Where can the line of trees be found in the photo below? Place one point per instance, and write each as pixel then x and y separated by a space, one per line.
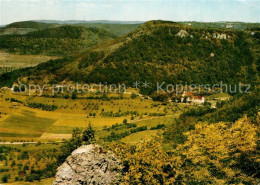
pixel 42 106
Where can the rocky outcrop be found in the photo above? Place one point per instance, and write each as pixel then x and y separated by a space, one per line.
pixel 220 36
pixel 88 165
pixel 182 33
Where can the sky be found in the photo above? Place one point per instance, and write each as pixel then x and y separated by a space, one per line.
pixel 130 10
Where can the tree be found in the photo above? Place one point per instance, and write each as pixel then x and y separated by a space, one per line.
pixel 69 145
pixel 229 156
pixel 16 89
pixel 66 96
pixel 76 137
pixel 4 179
pixel 88 136
pixel 133 96
pixel 74 96
pixel 160 96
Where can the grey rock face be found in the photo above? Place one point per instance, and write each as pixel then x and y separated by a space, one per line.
pixel 88 165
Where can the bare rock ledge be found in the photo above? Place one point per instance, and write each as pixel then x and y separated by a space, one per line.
pixel 88 165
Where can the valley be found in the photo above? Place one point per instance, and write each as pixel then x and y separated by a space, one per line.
pixel 22 123
pixel 160 136
pixel 25 130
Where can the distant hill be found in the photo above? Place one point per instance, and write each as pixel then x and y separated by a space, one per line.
pixel 228 25
pixel 24 27
pixel 29 24
pixel 58 37
pixel 62 40
pixel 87 22
pixel 117 28
pixel 158 51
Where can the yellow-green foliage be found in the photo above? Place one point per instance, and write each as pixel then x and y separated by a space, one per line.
pixel 221 153
pixel 214 152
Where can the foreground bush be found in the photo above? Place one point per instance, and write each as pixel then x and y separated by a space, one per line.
pixel 221 153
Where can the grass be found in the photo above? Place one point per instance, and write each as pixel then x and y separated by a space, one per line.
pixel 21 122
pixel 21 61
pixel 139 136
pixel 48 181
pixel 81 121
pixel 51 137
pixel 149 122
pixel 60 129
pixel 27 122
pixel 219 96
pixel 166 120
pixel 33 147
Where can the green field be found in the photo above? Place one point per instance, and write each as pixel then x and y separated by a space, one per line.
pixel 158 138
pixel 139 136
pixel 9 62
pixel 42 182
pixel 27 121
pixel 19 122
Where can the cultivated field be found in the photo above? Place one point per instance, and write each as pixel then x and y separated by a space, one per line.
pixel 9 62
pixel 20 122
pixel 48 181
pixel 30 136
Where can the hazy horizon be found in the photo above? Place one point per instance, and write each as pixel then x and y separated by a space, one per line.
pixel 130 10
pixel 121 22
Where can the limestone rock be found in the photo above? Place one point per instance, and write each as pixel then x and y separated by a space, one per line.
pixel 88 165
pixel 182 33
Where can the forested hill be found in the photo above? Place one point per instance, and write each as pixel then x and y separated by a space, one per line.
pixel 61 40
pixel 117 28
pixel 30 24
pixel 161 51
pixel 24 27
pixel 166 51
pixel 114 27
pixel 32 37
pixel 223 24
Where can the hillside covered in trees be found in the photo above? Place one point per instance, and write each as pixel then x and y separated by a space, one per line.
pixel 24 27
pixel 61 40
pixel 226 111
pixel 156 51
pixel 195 143
pixel 44 36
pixel 229 156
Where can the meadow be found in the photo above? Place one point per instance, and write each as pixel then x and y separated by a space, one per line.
pixel 10 62
pixel 31 131
pixel 48 181
pixel 21 123
pixel 158 140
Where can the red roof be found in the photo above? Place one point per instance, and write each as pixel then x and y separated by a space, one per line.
pixel 198 97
